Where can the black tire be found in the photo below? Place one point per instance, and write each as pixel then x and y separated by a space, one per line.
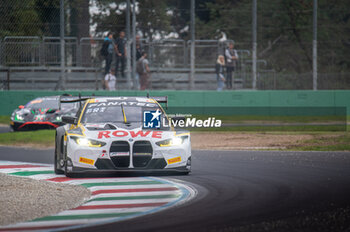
pixel 69 174
pixel 56 164
pixel 185 173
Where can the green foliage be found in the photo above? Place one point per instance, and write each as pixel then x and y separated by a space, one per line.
pixel 284 31
pixel 230 17
pixel 152 17
pixel 110 16
pixel 49 14
pixel 284 26
pixel 16 20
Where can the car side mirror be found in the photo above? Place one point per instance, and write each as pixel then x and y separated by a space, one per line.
pixel 21 106
pixel 69 120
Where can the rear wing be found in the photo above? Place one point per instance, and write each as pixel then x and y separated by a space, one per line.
pixel 71 99
pixel 160 99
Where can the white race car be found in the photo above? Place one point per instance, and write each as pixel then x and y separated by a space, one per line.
pixel 120 134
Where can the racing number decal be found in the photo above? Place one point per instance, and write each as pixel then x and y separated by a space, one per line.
pixel 86 161
pixel 174 160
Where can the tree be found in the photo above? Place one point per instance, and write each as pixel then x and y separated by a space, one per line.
pixel 152 18
pixel 16 20
pixel 284 31
pixel 110 16
pixel 79 18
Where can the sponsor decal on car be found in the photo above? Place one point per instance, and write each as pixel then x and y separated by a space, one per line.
pixel 119 154
pixel 118 103
pixel 174 160
pixel 39 117
pixel 36 101
pixel 133 134
pixel 86 161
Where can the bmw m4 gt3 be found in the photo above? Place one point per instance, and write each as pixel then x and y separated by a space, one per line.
pixel 120 134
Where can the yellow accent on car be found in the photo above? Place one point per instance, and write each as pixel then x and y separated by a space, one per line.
pixel 82 112
pixel 166 115
pixel 174 160
pixel 82 131
pixel 182 134
pixel 86 160
pixel 125 121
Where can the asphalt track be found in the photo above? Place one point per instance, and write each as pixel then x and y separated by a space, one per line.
pixel 5 129
pixel 247 191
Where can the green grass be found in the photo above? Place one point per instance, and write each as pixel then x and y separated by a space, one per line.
pixel 4 119
pixel 340 141
pixel 43 138
pixel 262 128
pixel 277 123
pixel 321 142
pixel 277 119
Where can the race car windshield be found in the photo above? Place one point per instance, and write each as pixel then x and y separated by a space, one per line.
pixel 40 103
pixel 113 114
pixel 50 103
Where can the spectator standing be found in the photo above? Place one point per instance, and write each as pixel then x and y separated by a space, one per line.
pixel 231 57
pixel 110 80
pixel 120 53
pixel 142 68
pixel 139 50
pixel 107 51
pixel 219 68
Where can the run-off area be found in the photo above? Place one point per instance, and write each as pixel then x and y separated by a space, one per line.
pixel 112 198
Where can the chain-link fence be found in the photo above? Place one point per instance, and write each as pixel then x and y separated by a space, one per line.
pixel 30 40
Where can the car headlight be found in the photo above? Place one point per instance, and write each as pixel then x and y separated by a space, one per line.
pixel 19 117
pixel 87 142
pixel 58 118
pixel 176 141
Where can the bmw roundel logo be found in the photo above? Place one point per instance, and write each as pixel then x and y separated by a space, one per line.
pixel 130 140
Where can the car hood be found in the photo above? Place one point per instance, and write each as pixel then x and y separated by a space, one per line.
pixel 35 114
pixel 108 131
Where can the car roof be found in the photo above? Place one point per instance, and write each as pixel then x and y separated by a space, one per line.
pixel 120 97
pixel 126 98
pixel 55 97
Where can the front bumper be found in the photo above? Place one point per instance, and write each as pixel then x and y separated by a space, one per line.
pixel 129 157
pixel 79 170
pixel 25 126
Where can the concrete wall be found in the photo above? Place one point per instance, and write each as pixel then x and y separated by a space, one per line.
pixel 253 99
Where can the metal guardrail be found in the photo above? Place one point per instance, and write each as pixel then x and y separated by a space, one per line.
pixel 171 53
pixel 89 52
pixel 168 53
pixel 10 71
pixel 52 53
pixel 23 50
